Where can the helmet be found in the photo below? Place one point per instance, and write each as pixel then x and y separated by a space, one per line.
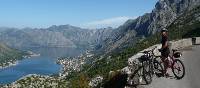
pixel 164 30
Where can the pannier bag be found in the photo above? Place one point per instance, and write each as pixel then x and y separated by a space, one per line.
pixel 177 54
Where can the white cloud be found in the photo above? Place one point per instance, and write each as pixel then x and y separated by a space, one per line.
pixel 111 22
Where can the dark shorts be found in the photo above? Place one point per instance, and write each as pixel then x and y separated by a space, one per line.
pixel 165 53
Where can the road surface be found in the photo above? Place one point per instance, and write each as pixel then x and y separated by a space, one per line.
pixel 191 60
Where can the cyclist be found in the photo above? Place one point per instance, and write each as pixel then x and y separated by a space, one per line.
pixel 165 50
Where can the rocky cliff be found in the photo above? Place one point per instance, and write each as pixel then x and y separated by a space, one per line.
pixel 164 13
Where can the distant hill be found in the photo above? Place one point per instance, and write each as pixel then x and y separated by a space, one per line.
pixel 54 36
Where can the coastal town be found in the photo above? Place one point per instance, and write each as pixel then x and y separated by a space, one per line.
pixel 72 64
pixel 37 81
pixel 8 64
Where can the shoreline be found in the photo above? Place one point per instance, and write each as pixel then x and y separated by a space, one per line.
pixel 10 64
pixel 15 62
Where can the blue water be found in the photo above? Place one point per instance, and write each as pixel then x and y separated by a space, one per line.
pixel 43 64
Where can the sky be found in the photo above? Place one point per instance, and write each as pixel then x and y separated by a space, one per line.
pixel 82 13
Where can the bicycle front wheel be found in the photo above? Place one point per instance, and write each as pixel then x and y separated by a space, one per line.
pixel 158 68
pixel 178 69
pixel 147 72
pixel 136 78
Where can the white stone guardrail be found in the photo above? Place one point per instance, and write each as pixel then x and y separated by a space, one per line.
pixel 180 43
pixel 197 40
pixel 172 45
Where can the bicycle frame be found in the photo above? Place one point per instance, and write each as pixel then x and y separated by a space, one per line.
pixel 170 60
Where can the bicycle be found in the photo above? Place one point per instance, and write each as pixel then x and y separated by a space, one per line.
pixel 153 66
pixel 146 69
pixel 175 64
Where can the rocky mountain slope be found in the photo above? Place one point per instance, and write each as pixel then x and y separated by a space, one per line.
pixel 165 12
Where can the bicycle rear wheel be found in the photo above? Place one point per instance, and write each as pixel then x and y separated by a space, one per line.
pixel 178 69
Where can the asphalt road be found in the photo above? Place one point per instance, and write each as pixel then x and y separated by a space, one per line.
pixel 191 60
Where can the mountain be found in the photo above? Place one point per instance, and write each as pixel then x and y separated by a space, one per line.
pixel 80 36
pixel 54 36
pixel 164 13
pixel 104 40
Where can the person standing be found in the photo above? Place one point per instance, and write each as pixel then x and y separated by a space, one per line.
pixel 165 49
